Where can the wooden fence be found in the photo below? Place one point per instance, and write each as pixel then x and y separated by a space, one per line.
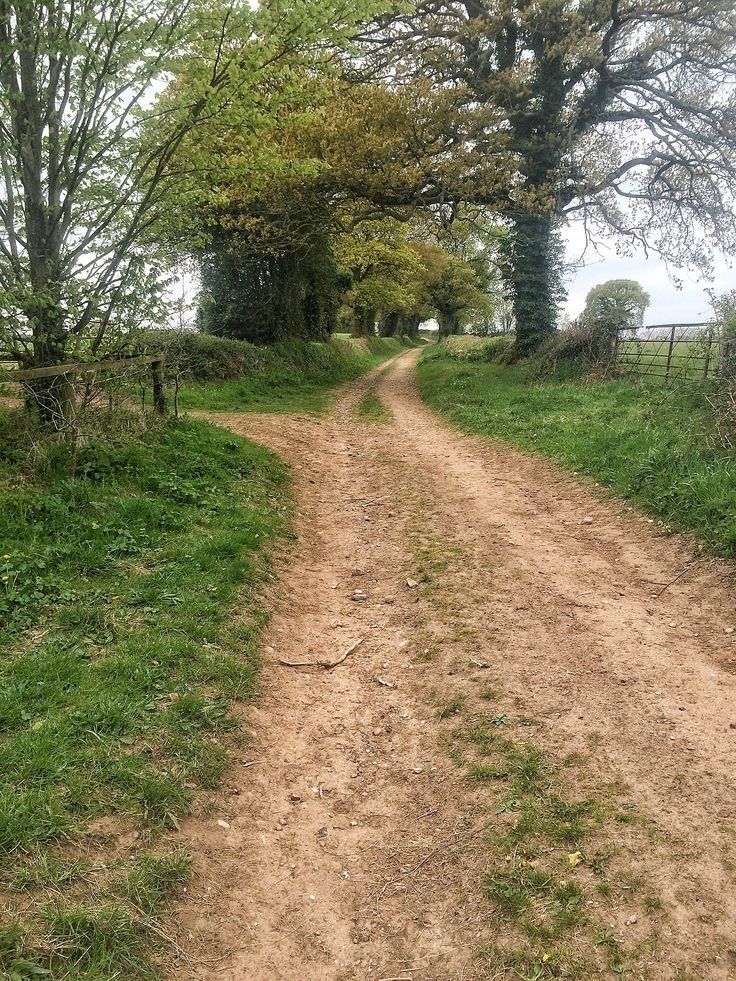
pixel 69 372
pixel 673 352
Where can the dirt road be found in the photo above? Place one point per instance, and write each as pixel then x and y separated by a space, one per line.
pixel 481 583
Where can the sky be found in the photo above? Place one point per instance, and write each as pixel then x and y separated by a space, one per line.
pixel 688 304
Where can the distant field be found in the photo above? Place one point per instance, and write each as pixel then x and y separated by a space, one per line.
pixel 689 359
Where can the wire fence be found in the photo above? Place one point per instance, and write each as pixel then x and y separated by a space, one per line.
pixel 673 352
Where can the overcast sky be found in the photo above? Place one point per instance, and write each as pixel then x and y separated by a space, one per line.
pixel 688 304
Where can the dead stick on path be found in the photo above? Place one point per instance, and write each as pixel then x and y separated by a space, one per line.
pixel 676 579
pixel 322 664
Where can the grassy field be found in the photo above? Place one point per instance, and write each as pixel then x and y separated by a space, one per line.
pixel 647 446
pixel 293 377
pixel 688 360
pixel 129 625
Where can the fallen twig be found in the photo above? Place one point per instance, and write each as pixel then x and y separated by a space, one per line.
pixel 673 581
pixel 322 664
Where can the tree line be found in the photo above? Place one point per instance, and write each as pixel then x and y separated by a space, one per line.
pixel 330 164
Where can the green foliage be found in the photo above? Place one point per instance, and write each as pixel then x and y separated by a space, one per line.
pixel 621 433
pixel 610 308
pixel 291 376
pixel 264 295
pixel 531 257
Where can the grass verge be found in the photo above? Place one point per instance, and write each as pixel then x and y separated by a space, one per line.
pixel 123 649
pixel 647 444
pixel 294 376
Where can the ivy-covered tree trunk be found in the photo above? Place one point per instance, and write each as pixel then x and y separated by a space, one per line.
pixel 364 324
pixel 448 324
pixel 390 327
pixel 532 259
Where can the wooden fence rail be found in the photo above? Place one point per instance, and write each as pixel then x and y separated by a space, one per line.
pixel 156 361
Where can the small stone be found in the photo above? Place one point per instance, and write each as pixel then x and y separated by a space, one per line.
pixel 587 521
pixel 728 630
pixel 416 769
pixel 223 824
pixel 631 919
pixel 359 596
pixel 377 731
pixel 412 583
pixel 294 798
pixel 389 600
pixel 322 833
pixel 732 725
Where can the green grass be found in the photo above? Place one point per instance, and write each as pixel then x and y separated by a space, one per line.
pixel 370 408
pixel 292 377
pixel 650 447
pixel 129 624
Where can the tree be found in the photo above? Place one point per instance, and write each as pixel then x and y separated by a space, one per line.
pixel 610 308
pixel 619 110
pixel 92 159
pixel 618 304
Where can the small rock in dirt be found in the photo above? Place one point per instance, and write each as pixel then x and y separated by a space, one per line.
pixel 416 769
pixel 412 583
pixel 385 683
pixel 389 600
pixel 358 596
pixel 377 731
pixel 322 833
pixel 353 824
pixel 587 521
pixel 294 798
pixel 728 630
pixel 631 919
pixel 223 824
pixel 732 725
pixel 344 874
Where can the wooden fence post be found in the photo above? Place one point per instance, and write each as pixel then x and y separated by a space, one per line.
pixel 159 398
pixel 706 365
pixel 669 353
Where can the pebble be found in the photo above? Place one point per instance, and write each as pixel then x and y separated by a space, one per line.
pixel 358 596
pixel 223 824
pixel 412 583
pixel 587 521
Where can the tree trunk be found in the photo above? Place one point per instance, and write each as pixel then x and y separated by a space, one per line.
pixel 364 324
pixel 532 263
pixel 390 325
pixel 448 325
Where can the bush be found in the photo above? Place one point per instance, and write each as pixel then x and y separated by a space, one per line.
pixel 205 357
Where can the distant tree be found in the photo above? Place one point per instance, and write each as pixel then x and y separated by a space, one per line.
pixel 611 307
pixel 620 304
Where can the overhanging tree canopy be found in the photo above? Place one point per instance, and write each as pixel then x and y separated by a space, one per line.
pixel 619 110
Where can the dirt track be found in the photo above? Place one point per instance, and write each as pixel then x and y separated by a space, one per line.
pixel 357 848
